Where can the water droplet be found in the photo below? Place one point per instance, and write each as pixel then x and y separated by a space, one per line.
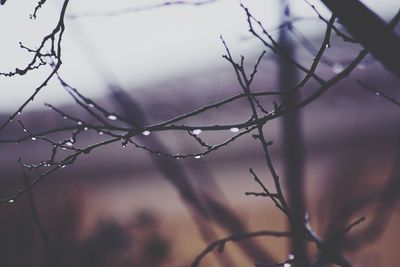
pixel 234 129
pixel 197 131
pixel 337 68
pixel 328 45
pixel 33 138
pixel 19 113
pixel 101 133
pixel 65 117
pixel 377 93
pixel 112 117
pixel 91 105
pixel 63 148
pixel 124 142
pixel 63 166
pixel 146 133
pixel 197 157
pixel 11 201
pixel 25 130
pixel 86 128
pixel 69 143
pixel 291 257
pixel 79 123
pixel 287 264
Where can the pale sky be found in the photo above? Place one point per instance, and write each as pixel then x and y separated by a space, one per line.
pixel 139 48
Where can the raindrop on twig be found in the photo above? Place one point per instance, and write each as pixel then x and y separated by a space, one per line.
pixel 197 131
pixel 69 143
pixel 112 117
pixel 234 129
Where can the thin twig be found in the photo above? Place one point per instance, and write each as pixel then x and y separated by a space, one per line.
pixel 220 244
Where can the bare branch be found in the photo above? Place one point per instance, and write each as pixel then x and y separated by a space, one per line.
pixel 220 244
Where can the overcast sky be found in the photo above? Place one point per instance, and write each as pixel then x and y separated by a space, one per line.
pixel 139 48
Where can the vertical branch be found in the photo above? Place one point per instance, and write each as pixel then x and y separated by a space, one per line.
pixel 293 150
pixel 245 83
pixel 36 218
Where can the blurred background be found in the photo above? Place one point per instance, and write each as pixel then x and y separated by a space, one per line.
pixel 126 207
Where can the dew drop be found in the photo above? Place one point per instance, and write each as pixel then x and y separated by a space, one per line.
pixel 63 166
pixel 69 143
pixel 234 129
pixel 91 105
pixel 25 130
pixel 19 113
pixel 79 123
pixel 101 133
pixel 11 201
pixel 146 133
pixel 112 117
pixel 65 117
pixel 291 257
pixel 124 143
pixel 197 131
pixel 197 157
pixel 328 45
pixel 64 148
pixel 337 68
pixel 33 138
pixel 377 93
pixel 86 128
pixel 287 264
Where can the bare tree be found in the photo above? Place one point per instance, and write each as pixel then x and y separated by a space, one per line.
pixel 129 125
